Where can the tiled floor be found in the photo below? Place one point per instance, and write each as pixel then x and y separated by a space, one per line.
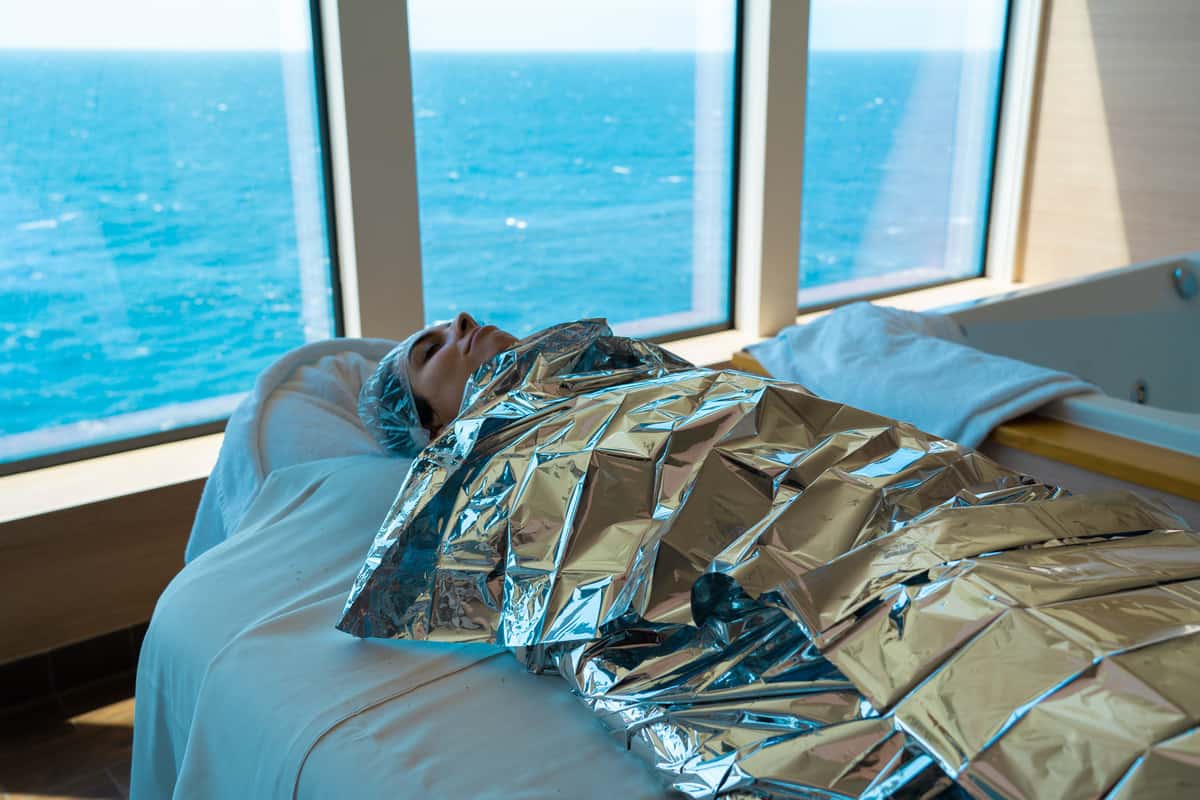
pixel 75 745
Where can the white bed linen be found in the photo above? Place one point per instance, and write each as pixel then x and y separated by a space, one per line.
pixel 245 689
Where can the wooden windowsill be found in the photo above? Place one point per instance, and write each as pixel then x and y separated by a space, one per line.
pixel 95 480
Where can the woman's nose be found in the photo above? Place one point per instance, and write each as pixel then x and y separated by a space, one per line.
pixel 464 323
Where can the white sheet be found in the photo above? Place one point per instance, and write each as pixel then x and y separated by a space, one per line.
pixel 245 689
pixel 913 367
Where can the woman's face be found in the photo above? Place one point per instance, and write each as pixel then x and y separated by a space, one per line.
pixel 443 358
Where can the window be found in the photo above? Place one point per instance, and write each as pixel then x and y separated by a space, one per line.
pixel 163 231
pixel 575 159
pixel 163 213
pixel 901 121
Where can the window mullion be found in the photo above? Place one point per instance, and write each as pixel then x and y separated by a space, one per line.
pixel 369 88
pixel 1021 59
pixel 774 80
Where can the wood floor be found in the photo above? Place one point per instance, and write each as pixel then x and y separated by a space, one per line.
pixel 73 747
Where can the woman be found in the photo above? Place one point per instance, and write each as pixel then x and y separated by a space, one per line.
pixel 418 387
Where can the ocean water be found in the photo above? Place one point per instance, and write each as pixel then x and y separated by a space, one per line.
pixel 162 229
pixel 574 177
pixel 149 253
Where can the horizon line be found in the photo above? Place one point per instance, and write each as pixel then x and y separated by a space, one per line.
pixel 555 51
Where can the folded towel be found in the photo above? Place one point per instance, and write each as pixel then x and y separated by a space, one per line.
pixel 912 367
pixel 303 407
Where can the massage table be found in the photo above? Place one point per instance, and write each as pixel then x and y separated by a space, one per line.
pixel 244 687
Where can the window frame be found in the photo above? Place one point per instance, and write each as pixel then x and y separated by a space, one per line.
pixel 1021 74
pixel 372 246
pixel 1019 57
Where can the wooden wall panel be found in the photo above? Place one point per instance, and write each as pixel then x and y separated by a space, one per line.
pixel 81 572
pixel 1114 172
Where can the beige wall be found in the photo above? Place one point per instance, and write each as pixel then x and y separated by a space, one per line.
pixel 81 572
pixel 1114 170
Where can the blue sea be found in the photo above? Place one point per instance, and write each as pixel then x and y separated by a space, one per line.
pixel 163 231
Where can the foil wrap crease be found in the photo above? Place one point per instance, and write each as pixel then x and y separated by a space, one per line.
pixel 769 594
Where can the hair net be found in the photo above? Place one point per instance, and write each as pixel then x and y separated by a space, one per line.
pixel 386 405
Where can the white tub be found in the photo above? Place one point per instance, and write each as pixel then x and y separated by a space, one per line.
pixel 1132 333
pixel 1129 331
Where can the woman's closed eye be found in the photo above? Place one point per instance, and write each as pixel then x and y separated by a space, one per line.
pixel 435 339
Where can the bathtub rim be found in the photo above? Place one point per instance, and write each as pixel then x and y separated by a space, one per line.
pixel 1178 431
pixel 964 311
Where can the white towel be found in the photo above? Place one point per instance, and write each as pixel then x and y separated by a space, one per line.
pixel 912 367
pixel 303 407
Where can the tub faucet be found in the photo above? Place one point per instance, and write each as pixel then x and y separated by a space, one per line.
pixel 1185 281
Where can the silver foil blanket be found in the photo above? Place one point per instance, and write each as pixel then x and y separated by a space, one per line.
pixel 771 594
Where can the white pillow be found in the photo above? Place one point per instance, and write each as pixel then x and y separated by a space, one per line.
pixel 303 407
pixel 314 414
